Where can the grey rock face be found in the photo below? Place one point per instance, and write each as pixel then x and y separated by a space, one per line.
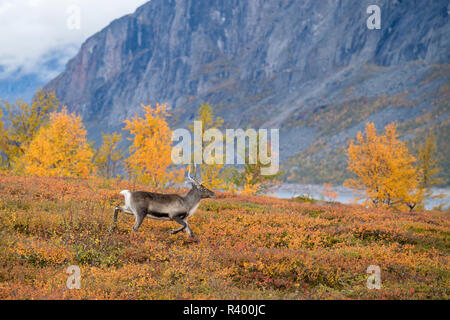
pixel 260 63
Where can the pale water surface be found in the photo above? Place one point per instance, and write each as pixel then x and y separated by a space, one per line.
pixel 346 195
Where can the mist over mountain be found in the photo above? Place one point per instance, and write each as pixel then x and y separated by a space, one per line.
pixel 20 82
pixel 311 68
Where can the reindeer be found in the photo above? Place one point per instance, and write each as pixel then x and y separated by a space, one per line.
pixel 167 207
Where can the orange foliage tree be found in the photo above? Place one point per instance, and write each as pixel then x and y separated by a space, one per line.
pixel 384 169
pixel 59 149
pixel 151 148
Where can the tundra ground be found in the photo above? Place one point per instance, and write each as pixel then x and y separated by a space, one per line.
pixel 248 248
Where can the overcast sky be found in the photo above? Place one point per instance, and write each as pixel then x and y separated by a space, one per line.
pixel 31 30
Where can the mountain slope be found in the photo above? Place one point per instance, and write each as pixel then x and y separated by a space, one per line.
pixel 311 68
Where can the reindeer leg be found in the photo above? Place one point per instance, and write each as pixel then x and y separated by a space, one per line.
pixel 180 221
pixel 116 213
pixel 117 209
pixel 139 218
pixel 188 230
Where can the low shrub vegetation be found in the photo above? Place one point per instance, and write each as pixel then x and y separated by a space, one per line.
pixel 249 247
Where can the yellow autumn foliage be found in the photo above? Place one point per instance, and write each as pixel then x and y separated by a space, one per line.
pixel 24 121
pixel 109 155
pixel 211 172
pixel 59 149
pixel 250 188
pixel 384 169
pixel 151 148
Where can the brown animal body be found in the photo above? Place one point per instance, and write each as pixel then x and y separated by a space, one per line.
pixel 168 207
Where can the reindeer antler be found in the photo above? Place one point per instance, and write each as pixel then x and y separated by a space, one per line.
pixel 192 179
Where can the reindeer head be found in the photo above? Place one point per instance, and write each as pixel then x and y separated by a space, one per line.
pixel 199 187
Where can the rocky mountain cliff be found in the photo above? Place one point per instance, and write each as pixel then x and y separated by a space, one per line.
pixel 311 68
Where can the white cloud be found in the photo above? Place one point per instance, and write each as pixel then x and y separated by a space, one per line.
pixel 33 31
